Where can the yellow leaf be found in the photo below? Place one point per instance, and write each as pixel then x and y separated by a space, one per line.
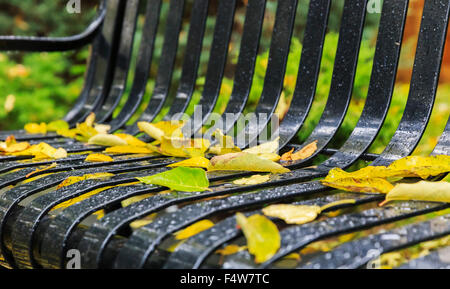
pixel 225 146
pixel 42 169
pixel 263 238
pixel 363 185
pixel 337 203
pixel 107 140
pixel 90 119
pixel 142 222
pixel 423 167
pixel 302 154
pixel 183 147
pixel 421 191
pixel 98 158
pixel 15 147
pixel 253 180
pixel 78 199
pixel 72 180
pixel 193 229
pixel 10 140
pixel 35 128
pixel 128 150
pixel 43 151
pixel 57 125
pixel 244 162
pixel 270 156
pixel 265 148
pixel 168 129
pixel 196 162
pixel 135 199
pixel 131 140
pixel 230 250
pixel 102 128
pixel 293 214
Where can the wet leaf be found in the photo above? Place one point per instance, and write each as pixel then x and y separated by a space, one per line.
pixel 423 167
pixel 263 238
pixel 107 140
pixel 43 151
pixel 183 147
pixel 169 129
pixel 230 250
pixel 36 128
pixel 293 214
pixel 253 180
pixel 135 199
pixel 421 191
pixel 131 140
pixel 98 158
pixel 39 170
pixel 265 148
pixel 302 154
pixel 193 229
pixel 15 147
pixel 142 222
pixel 225 146
pixel 75 179
pixel 244 162
pixel 196 162
pixel 362 185
pixel 128 149
pixel 180 179
pixel 57 125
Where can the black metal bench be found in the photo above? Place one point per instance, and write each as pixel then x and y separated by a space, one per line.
pixel 30 237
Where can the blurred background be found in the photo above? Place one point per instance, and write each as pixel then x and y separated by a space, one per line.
pixel 37 87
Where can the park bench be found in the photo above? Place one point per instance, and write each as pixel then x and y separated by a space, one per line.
pixel 33 237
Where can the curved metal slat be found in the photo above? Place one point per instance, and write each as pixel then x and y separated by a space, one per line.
pixel 344 71
pixel 355 254
pixel 216 66
pixel 101 79
pixel 122 63
pixel 166 65
pixel 191 60
pixel 309 68
pixel 143 62
pixel 276 68
pixel 245 66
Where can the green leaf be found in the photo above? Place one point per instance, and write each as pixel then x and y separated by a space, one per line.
pixel 180 179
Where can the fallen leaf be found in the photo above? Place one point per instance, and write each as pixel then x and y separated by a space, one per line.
pixel 265 148
pixel 94 158
pixel 143 221
pixel 183 147
pixel 230 250
pixel 90 120
pixel 270 156
pixel 135 199
pixel 225 146
pixel 263 238
pixel 131 140
pixel 43 151
pixel 421 191
pixel 293 214
pixel 128 149
pixel 107 140
pixel 36 128
pixel 302 154
pixel 15 147
pixel 169 129
pixel 423 167
pixel 337 203
pixel 193 229
pixel 57 125
pixel 363 185
pixel 42 169
pixel 244 162
pixel 75 179
pixel 196 162
pixel 102 128
pixel 180 179
pixel 253 180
